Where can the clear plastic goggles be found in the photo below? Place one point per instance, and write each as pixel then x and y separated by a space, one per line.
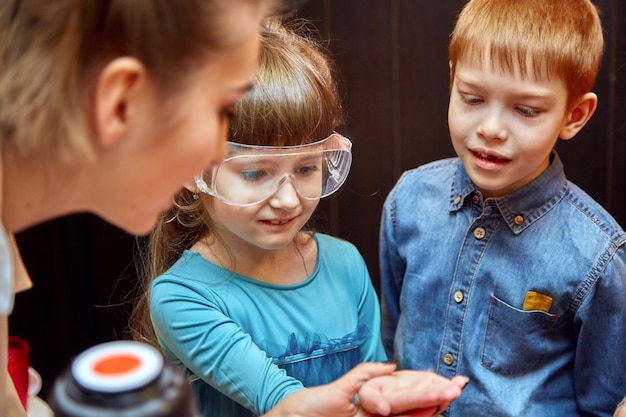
pixel 251 173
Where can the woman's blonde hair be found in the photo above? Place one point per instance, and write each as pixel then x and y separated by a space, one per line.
pixel 52 51
pixel 560 39
pixel 294 101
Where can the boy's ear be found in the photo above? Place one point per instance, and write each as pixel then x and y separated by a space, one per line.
pixel 117 88
pixel 578 116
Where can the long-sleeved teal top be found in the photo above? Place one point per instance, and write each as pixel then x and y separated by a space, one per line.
pixel 246 345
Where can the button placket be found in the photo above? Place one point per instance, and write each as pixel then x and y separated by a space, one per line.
pixel 474 244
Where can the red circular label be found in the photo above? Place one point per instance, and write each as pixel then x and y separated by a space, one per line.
pixel 116 364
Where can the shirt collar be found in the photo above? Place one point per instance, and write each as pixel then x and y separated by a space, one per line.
pixel 523 207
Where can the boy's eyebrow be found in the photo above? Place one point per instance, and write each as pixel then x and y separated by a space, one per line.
pixel 459 79
pixel 545 95
pixel 538 93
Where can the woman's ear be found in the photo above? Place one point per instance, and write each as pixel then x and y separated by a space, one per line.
pixel 579 115
pixel 117 91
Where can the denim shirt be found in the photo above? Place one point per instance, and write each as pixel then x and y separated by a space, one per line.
pixel 524 294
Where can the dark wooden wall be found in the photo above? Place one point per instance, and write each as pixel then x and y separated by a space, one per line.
pixel 392 62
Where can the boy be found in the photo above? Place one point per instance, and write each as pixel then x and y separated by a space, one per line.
pixel 506 272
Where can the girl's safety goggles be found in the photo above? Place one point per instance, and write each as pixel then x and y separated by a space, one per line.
pixel 252 173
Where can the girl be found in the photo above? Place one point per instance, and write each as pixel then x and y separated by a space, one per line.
pixel 252 306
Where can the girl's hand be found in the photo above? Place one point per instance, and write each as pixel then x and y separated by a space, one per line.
pixel 381 392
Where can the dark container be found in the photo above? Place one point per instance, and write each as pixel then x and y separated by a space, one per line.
pixel 122 379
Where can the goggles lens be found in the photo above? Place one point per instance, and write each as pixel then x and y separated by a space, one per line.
pixel 251 174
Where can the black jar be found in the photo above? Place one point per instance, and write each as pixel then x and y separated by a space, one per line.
pixel 122 379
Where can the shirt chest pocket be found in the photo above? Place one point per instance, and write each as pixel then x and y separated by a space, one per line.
pixel 516 341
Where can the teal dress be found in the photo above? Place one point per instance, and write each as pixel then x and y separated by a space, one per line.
pixel 247 345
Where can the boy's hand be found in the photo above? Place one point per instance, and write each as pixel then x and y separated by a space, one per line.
pixel 381 392
pixel 410 393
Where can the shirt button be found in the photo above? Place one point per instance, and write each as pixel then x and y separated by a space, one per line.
pixel 458 296
pixel 519 219
pixel 475 199
pixel 457 200
pixel 479 233
pixel 448 359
